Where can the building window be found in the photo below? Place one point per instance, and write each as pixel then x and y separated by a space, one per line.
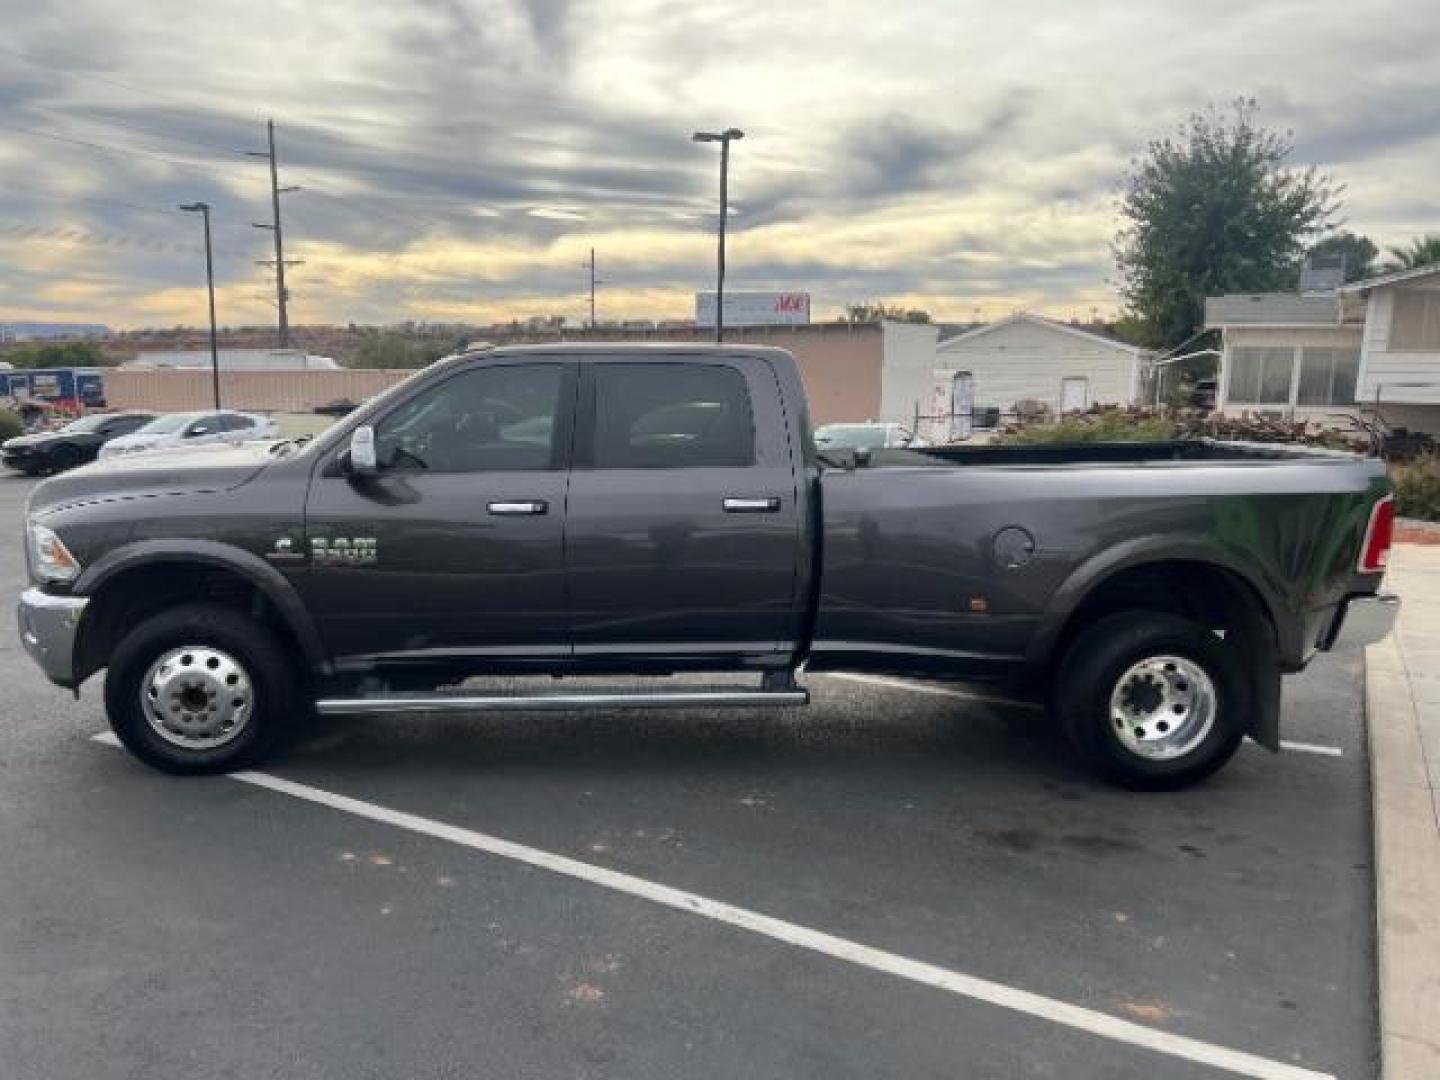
pixel 1327 376
pixel 1260 376
pixel 1415 324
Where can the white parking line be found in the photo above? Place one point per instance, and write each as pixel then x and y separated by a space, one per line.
pixel 1312 748
pixel 937 691
pixel 1006 997
pixel 1015 703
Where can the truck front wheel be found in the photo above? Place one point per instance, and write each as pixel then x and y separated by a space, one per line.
pixel 200 689
pixel 1150 700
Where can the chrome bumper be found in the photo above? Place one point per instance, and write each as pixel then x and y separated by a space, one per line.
pixel 1364 620
pixel 48 625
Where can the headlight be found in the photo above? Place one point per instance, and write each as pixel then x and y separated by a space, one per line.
pixel 50 559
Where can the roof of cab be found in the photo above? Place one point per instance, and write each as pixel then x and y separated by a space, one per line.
pixel 639 350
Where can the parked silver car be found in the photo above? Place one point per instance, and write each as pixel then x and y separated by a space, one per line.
pixel 174 430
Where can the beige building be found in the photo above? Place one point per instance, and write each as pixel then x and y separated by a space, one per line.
pixel 1372 344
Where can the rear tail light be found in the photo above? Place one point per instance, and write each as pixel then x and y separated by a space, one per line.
pixel 1375 551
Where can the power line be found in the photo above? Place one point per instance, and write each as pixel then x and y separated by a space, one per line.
pixel 110 121
pixel 51 197
pixel 47 65
pixel 31 232
pixel 118 151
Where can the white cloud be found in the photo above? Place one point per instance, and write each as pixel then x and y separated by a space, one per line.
pixel 463 155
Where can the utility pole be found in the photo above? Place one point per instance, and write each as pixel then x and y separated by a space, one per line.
pixel 724 138
pixel 593 282
pixel 204 209
pixel 282 294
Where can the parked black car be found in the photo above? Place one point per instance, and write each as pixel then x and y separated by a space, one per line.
pixel 338 407
pixel 74 444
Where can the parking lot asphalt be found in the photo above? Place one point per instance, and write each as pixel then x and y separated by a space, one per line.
pixel 154 927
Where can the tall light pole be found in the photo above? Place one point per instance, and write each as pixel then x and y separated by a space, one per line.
pixel 204 210
pixel 724 138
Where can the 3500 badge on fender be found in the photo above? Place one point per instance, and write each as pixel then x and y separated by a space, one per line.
pixel 344 551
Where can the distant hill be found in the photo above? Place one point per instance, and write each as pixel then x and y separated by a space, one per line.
pixel 48 331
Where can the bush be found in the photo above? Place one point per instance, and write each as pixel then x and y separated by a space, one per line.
pixel 1417 488
pixel 10 424
pixel 1112 425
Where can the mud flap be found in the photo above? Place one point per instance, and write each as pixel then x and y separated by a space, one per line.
pixel 1265 725
pixel 1257 639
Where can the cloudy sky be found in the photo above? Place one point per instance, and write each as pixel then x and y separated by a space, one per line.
pixel 459 158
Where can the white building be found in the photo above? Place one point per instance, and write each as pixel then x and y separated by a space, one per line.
pixel 233 360
pixel 1030 358
pixel 1372 344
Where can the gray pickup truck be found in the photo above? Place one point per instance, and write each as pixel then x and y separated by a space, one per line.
pixel 648 510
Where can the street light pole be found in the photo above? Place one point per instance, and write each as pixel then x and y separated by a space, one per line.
pixel 724 138
pixel 204 210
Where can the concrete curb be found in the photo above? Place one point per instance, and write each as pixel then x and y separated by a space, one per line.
pixel 1407 871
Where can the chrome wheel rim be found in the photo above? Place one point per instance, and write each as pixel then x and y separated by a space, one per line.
pixel 197 697
pixel 1163 707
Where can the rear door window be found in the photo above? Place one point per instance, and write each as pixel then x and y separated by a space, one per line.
pixel 671 416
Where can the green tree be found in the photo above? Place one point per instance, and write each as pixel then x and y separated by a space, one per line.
pixel 879 311
pixel 1214 209
pixel 1422 251
pixel 52 354
pixel 1360 253
pixel 397 349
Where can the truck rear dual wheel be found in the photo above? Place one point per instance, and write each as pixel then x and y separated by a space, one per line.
pixel 1152 701
pixel 200 689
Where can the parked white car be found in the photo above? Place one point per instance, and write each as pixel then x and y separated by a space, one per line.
pixel 872 435
pixel 174 430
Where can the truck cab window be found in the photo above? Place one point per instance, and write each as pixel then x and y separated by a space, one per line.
pixel 671 416
pixel 486 419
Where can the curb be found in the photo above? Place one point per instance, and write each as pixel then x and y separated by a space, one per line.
pixel 1407 871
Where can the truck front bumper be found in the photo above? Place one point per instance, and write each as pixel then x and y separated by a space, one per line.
pixel 48 625
pixel 1364 620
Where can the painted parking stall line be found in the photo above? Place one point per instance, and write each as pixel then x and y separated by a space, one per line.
pixel 1312 748
pixel 973 987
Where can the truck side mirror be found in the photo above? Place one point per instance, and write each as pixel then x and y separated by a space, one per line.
pixel 362 451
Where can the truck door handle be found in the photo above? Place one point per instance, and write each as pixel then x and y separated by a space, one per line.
pixel 533 506
pixel 752 506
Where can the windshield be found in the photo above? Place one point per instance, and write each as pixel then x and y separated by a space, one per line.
pixel 854 436
pixel 167 425
pixel 86 423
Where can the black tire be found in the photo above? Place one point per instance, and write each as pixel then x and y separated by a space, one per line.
pixel 1091 671
pixel 63 459
pixel 273 693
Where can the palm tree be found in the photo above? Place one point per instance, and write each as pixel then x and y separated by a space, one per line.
pixel 1422 251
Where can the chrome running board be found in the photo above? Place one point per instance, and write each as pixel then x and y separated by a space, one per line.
pixel 449 702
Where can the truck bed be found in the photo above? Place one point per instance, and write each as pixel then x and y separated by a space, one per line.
pixel 1197 450
pixel 971 556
